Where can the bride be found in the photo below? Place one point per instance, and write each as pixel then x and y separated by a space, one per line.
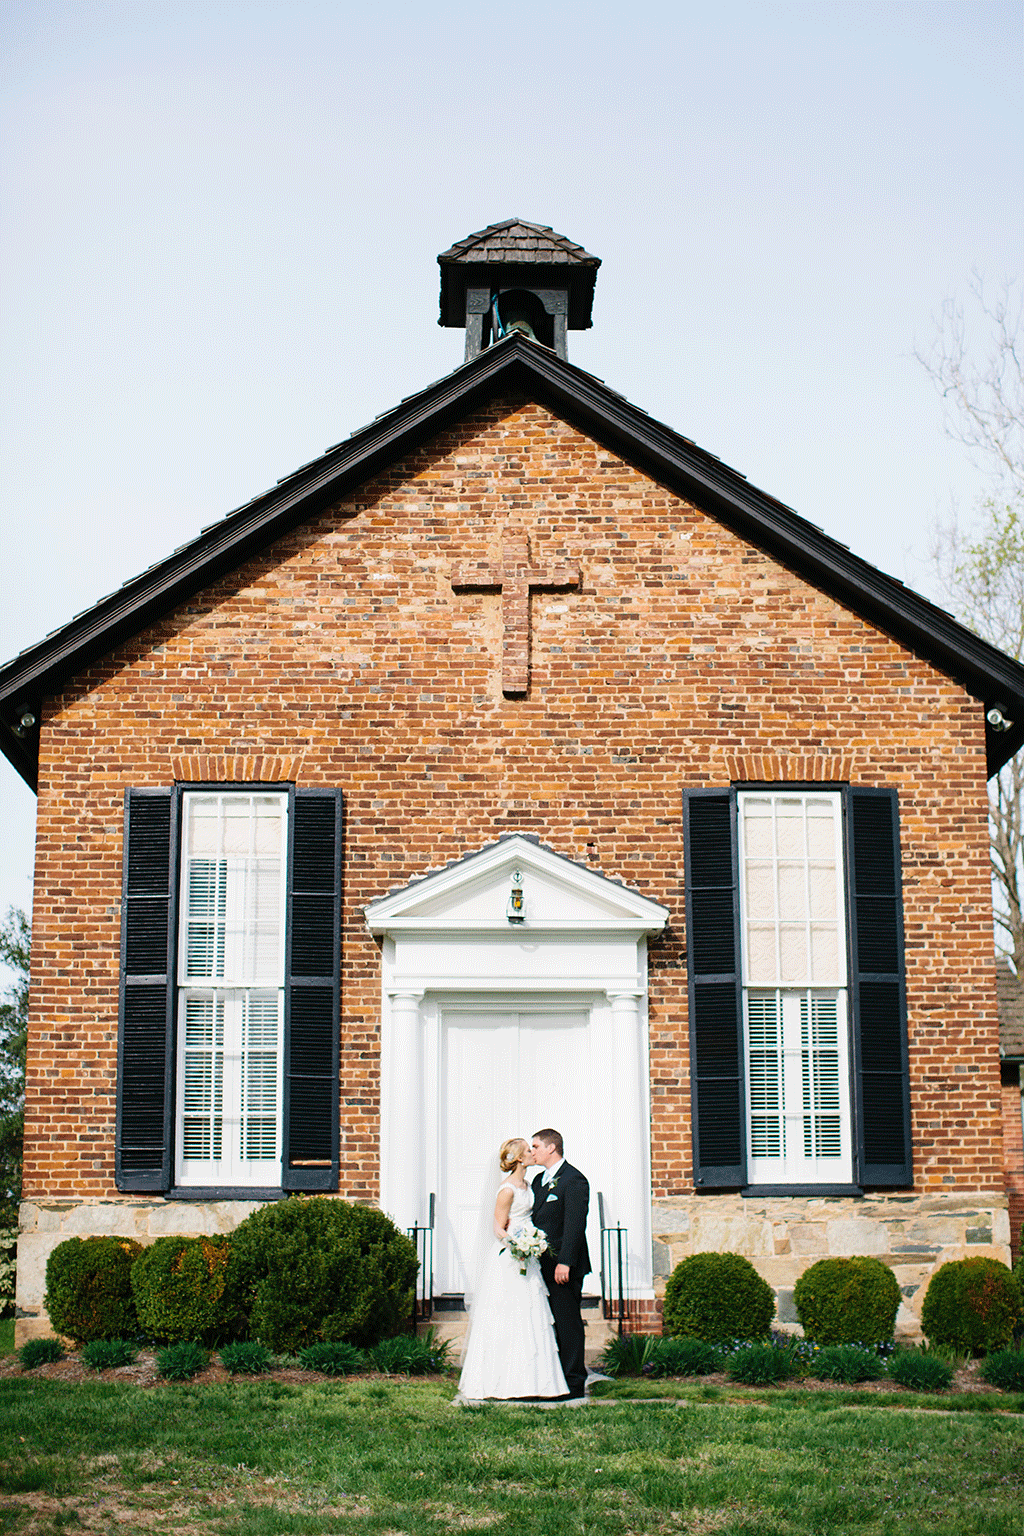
pixel 511 1350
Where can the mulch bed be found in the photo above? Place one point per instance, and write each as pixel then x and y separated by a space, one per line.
pixel 143 1373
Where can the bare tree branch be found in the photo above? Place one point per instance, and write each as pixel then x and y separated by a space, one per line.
pixel 981 570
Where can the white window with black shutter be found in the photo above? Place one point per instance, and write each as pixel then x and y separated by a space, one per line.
pixel 797 999
pixel 230 1024
pixel 793 961
pixel 228 1047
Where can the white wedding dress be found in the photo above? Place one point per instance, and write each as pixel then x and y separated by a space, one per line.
pixel 511 1350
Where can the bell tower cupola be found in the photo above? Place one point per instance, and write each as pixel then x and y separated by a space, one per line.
pixel 517 277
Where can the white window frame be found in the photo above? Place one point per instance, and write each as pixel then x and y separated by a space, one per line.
pixel 229 1086
pixel 798 1087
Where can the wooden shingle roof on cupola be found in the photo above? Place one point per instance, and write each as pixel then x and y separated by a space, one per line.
pixel 517 276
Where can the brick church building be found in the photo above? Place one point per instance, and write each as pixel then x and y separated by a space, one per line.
pixel 517 763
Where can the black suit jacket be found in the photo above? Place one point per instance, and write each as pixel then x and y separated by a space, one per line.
pixel 560 1212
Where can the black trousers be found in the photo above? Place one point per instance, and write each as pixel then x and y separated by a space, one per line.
pixel 569 1330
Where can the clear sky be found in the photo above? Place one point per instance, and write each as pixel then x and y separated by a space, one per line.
pixel 221 219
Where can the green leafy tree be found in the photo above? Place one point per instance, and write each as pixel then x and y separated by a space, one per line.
pixel 14 953
pixel 980 567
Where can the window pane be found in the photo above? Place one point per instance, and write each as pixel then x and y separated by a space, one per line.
pixel 202 1089
pixel 819 1040
pixel 764 1064
pixel 792 953
pixel 825 955
pixel 760 889
pixel 761 962
pixel 792 891
pixel 822 879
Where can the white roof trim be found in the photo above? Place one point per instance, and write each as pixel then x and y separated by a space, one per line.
pixel 424 905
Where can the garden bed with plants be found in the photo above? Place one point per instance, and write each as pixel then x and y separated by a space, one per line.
pixel 140 1365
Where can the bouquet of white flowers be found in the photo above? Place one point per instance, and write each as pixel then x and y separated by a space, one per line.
pixel 524 1243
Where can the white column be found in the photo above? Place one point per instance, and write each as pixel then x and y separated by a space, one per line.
pixel 403 1147
pixel 632 1185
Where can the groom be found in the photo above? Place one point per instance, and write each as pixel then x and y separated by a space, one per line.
pixel 561 1197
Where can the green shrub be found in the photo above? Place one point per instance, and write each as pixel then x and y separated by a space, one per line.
pixel 716 1296
pixel 408 1355
pixel 88 1288
pixel 847 1301
pixel 922 1373
pixel 40 1352
pixel 8 1269
pixel 321 1269
pixel 972 1305
pixel 1005 1369
pixel 762 1365
pixel 626 1354
pixel 246 1358
pixel 182 1292
pixel 180 1361
pixel 338 1359
pixel 846 1362
pixel 682 1357
pixel 102 1354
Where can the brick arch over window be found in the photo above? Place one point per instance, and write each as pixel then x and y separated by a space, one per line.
pixel 792 768
pixel 238 768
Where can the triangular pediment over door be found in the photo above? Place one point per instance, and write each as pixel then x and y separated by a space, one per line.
pixel 500 1010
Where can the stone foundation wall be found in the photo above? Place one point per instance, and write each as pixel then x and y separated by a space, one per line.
pixel 913 1234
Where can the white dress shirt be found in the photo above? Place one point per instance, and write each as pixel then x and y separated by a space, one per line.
pixel 549 1173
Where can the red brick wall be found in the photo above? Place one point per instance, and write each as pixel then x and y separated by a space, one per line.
pixel 686 658
pixel 1013 1154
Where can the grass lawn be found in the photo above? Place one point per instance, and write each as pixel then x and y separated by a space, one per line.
pixel 391 1457
pixel 6 1335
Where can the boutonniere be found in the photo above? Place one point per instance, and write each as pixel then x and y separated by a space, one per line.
pixel 554 1183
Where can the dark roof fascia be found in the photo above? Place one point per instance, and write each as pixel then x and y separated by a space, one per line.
pixel 515 366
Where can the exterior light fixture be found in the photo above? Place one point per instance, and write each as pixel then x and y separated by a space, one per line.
pixel 516 909
pixel 997 719
pixel 24 723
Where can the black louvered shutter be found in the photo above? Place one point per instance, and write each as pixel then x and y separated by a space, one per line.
pixel 877 989
pixel 713 958
pixel 145 1054
pixel 312 998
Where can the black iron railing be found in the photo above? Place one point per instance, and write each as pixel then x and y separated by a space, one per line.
pixel 614 1268
pixel 423 1237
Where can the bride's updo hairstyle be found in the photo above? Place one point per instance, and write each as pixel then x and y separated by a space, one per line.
pixel 511 1152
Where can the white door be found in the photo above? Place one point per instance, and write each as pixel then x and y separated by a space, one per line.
pixel 511 1073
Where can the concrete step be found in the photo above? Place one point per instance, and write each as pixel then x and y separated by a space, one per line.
pixel 454 1326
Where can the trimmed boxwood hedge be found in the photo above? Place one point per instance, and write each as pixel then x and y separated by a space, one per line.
pixel 88 1288
pixel 317 1268
pixel 972 1305
pixel 716 1296
pixel 182 1291
pixel 847 1301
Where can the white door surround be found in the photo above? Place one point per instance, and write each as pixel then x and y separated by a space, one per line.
pixel 578 949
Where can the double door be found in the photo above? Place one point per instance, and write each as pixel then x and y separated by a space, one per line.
pixel 510 1072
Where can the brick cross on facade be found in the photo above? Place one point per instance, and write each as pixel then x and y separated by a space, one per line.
pixel 515 578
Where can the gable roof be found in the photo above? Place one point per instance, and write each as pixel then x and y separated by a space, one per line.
pixel 515 366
